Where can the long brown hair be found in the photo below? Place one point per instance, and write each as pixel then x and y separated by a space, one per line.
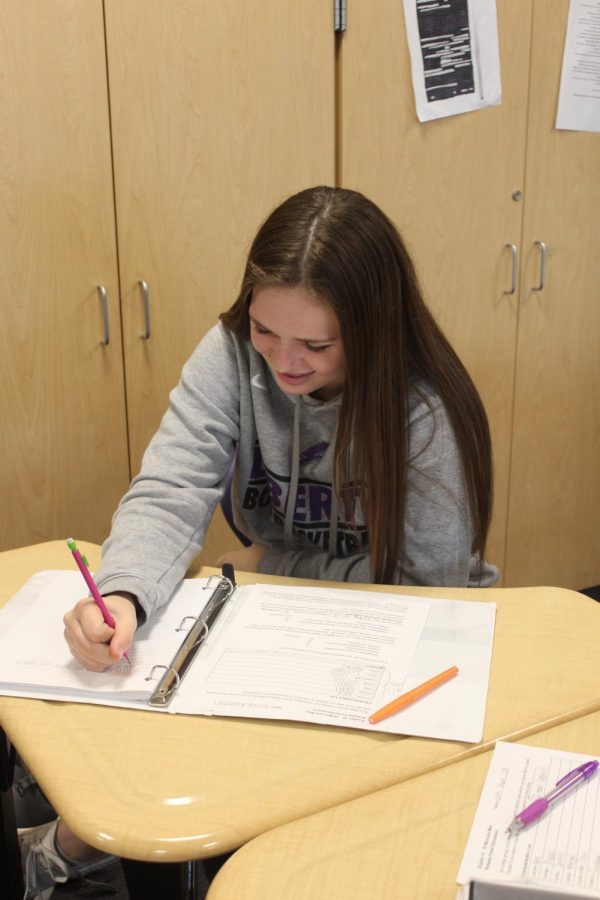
pixel 342 247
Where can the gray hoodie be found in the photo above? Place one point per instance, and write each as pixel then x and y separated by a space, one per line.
pixel 227 406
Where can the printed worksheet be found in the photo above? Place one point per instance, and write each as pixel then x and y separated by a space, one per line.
pixel 561 849
pixel 335 656
pixel 311 654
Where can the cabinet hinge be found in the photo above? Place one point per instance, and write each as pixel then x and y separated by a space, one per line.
pixel 339 15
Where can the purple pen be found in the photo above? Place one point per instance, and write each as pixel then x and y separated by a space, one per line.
pixel 562 787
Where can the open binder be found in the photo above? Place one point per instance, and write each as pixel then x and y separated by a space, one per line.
pixel 199 631
pixel 272 651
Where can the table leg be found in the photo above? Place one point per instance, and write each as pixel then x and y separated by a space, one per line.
pixel 155 881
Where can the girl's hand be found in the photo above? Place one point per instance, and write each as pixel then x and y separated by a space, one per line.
pixel 92 642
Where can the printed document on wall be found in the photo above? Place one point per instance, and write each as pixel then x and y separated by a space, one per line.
pixel 579 97
pixel 454 55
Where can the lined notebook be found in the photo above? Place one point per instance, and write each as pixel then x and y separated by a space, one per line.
pixel 310 654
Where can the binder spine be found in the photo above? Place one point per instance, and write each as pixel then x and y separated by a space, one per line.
pixel 197 634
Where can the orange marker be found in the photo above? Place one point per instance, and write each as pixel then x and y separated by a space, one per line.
pixel 405 699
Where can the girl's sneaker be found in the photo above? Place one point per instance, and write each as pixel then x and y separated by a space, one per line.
pixel 44 866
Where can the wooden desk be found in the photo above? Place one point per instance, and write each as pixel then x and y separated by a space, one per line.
pixel 170 788
pixel 405 841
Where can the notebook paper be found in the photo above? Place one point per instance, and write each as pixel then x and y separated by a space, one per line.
pixel 561 849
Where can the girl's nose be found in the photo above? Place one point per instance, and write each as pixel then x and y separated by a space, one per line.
pixel 285 355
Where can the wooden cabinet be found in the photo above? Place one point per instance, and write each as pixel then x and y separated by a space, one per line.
pixel 450 186
pixel 218 111
pixel 553 533
pixel 63 442
pixel 141 144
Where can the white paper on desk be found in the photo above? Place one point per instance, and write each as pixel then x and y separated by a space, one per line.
pixel 579 97
pixel 34 653
pixel 304 669
pixel 455 57
pixel 457 633
pixel 561 849
pixel 307 654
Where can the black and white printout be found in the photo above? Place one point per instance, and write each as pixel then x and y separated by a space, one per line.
pixel 454 55
pixel 579 97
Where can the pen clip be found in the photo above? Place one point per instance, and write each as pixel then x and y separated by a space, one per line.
pixel 585 769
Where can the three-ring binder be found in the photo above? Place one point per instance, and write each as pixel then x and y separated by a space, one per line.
pixel 194 639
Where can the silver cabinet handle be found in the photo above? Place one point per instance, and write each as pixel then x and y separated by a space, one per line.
pixel 146 301
pixel 104 302
pixel 543 249
pixel 515 259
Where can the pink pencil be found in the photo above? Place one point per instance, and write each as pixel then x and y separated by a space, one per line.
pixel 92 587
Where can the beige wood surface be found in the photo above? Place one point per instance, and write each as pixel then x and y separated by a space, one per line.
pixel 219 111
pixel 164 787
pixel 554 521
pixel 63 446
pixel 404 842
pixel 448 186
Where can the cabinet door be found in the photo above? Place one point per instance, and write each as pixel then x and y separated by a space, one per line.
pixel 554 521
pixel 448 186
pixel 63 450
pixel 219 111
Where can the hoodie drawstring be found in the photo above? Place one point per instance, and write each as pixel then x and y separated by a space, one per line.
pixel 293 489
pixel 294 476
